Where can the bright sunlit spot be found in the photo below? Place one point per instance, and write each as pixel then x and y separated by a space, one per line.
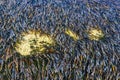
pixel 72 34
pixel 95 34
pixel 33 42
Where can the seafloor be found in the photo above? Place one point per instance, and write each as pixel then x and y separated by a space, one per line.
pixel 83 59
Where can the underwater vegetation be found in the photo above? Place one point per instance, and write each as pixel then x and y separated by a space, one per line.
pixel 59 40
pixel 72 34
pixel 33 42
pixel 95 34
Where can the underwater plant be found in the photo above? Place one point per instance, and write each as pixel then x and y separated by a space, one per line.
pixel 95 34
pixel 33 42
pixel 58 40
pixel 72 34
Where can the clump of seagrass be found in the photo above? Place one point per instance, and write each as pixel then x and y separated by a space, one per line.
pixel 33 42
pixel 95 34
pixel 71 34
